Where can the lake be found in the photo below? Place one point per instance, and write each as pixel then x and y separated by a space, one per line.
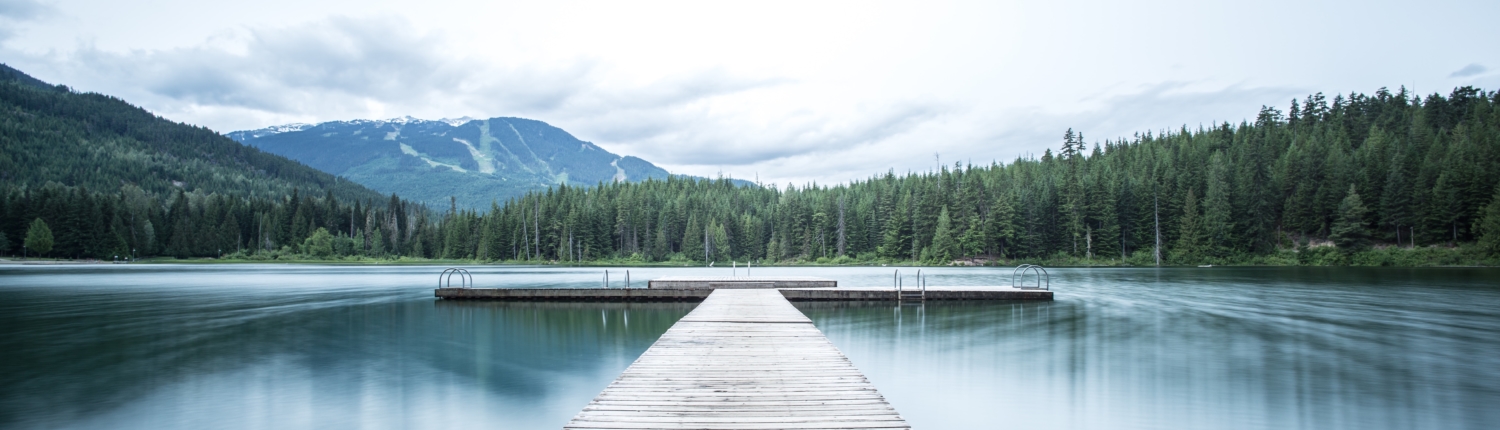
pixel 301 346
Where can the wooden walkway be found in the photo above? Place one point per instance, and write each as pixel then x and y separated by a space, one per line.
pixel 743 359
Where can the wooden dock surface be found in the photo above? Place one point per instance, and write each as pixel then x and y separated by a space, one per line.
pixel 743 359
pixel 722 282
pixel 698 294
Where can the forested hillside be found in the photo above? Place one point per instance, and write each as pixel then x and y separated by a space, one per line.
pixel 108 178
pixel 1334 177
pixel 101 142
pixel 1358 179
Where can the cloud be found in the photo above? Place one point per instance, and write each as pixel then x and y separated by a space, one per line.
pixel 338 64
pixel 694 118
pixel 1469 70
pixel 983 134
pixel 22 10
pixel 343 68
pixel 14 12
pixel 704 136
pixel 695 121
pixel 665 105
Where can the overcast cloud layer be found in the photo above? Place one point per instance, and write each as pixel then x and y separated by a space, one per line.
pixel 788 92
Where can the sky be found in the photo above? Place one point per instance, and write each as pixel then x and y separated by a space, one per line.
pixel 781 92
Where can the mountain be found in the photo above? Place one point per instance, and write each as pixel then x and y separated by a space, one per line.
pixel 8 74
pixel 51 134
pixel 474 161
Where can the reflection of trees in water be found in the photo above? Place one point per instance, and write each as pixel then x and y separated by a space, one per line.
pixel 69 356
pixel 958 317
pixel 528 340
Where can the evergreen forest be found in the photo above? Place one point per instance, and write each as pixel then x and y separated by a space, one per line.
pixel 99 178
pixel 1384 179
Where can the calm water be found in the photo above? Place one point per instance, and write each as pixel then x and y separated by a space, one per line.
pixel 286 347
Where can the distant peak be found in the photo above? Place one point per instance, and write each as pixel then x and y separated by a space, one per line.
pixel 296 126
pixel 401 120
pixel 275 129
pixel 456 121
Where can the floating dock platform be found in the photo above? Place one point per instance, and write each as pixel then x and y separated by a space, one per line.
pixel 696 289
pixel 744 359
pixel 699 294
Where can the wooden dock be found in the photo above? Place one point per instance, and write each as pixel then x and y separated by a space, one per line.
pixel 743 359
pixel 720 282
pixel 698 294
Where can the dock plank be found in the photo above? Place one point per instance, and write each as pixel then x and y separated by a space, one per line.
pixel 743 359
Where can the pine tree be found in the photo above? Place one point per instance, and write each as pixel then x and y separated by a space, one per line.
pixel 39 237
pixel 1190 239
pixel 1217 220
pixel 377 243
pixel 1002 222
pixel 773 251
pixel 973 240
pixel 718 242
pixel 897 234
pixel 692 240
pixel 1348 232
pixel 943 245
pixel 358 248
pixel 1488 225
pixel 1396 200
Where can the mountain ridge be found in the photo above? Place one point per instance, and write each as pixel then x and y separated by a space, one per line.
pixel 54 134
pixel 473 161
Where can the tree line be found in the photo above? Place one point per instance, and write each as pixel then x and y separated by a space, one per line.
pixel 1389 171
pixel 130 222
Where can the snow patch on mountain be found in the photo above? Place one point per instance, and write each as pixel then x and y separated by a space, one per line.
pixel 485 165
pixel 275 129
pixel 408 150
pixel 456 121
pixel 619 171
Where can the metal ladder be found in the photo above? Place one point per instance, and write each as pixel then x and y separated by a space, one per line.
pixel 915 294
pixel 465 280
pixel 606 279
pixel 1018 277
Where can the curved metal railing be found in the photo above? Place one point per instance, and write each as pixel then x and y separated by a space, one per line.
pixel 921 280
pixel 606 279
pixel 465 280
pixel 1018 277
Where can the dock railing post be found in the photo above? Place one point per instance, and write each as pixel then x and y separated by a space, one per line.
pixel 606 279
pixel 627 279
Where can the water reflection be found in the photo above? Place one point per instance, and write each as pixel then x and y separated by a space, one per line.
pixel 347 352
pixel 1247 348
pixel 355 346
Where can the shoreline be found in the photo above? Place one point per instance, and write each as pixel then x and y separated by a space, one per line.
pixel 213 261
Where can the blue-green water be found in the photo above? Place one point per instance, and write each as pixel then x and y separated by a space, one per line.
pixel 288 347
